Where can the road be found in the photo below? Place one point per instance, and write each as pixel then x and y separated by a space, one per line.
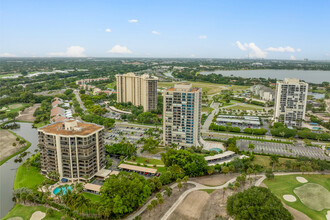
pixel 209 119
pixel 79 100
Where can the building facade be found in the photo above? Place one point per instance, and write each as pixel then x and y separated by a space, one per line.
pixel 72 149
pixel 265 93
pixel 182 115
pixel 139 90
pixel 290 102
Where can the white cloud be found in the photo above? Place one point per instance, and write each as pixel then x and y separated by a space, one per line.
pixel 203 37
pixel 281 49
pixel 133 21
pixel 192 55
pixel 298 50
pixel 73 51
pixel 7 55
pixel 254 50
pixel 155 32
pixel 108 30
pixel 119 49
pixel 240 46
pixel 292 57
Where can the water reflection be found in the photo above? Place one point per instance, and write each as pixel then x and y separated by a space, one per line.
pixel 8 169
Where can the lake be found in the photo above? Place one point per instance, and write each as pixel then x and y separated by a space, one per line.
pixel 313 76
pixel 317 95
pixel 8 169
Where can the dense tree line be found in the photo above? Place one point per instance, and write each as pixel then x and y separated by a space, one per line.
pixel 97 119
pixel 123 193
pixel 255 131
pixel 191 164
pixel 123 149
pixel 256 203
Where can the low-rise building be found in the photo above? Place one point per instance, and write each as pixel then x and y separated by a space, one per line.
pixel 265 93
pixel 238 121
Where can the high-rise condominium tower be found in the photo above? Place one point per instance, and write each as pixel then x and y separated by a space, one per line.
pixel 290 102
pixel 72 149
pixel 140 90
pixel 182 115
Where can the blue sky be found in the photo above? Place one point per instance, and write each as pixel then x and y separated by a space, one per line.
pixel 294 29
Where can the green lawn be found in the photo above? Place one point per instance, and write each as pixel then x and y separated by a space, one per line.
pixel 8 74
pixel 26 212
pixel 209 88
pixel 157 150
pixel 151 161
pixel 111 85
pixel 14 107
pixel 209 191
pixel 40 124
pixel 246 107
pixel 207 109
pixel 265 161
pixel 29 177
pixel 282 185
pixel 93 197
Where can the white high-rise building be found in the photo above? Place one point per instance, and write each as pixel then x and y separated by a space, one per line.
pixel 290 102
pixel 182 115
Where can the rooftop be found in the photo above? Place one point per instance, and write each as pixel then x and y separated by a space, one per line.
pixel 57 111
pixel 104 173
pixel 183 87
pixel 92 187
pixel 71 127
pixel 137 168
pixel 220 156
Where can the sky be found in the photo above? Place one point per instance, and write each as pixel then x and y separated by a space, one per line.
pixel 281 29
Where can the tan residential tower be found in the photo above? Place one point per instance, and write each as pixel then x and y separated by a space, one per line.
pixel 139 90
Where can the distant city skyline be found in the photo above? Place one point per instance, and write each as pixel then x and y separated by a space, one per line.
pixel 166 29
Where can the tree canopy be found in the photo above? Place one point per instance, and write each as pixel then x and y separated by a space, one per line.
pixel 192 164
pixel 122 194
pixel 256 203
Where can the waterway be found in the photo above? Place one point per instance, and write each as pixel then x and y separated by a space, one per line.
pixel 317 95
pixel 313 76
pixel 8 169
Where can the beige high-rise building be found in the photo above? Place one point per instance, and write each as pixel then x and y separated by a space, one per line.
pixel 139 90
pixel 182 115
pixel 290 102
pixel 72 149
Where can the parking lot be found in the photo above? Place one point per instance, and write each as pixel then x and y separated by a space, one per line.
pixel 282 149
pixel 128 133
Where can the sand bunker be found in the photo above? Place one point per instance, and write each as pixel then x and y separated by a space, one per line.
pixel 38 215
pixel 301 179
pixel 328 215
pixel 289 198
pixel 191 207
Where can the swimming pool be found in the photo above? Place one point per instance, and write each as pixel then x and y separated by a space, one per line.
pixel 64 189
pixel 317 128
pixel 216 149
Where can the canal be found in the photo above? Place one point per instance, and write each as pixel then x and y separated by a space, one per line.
pixel 8 169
